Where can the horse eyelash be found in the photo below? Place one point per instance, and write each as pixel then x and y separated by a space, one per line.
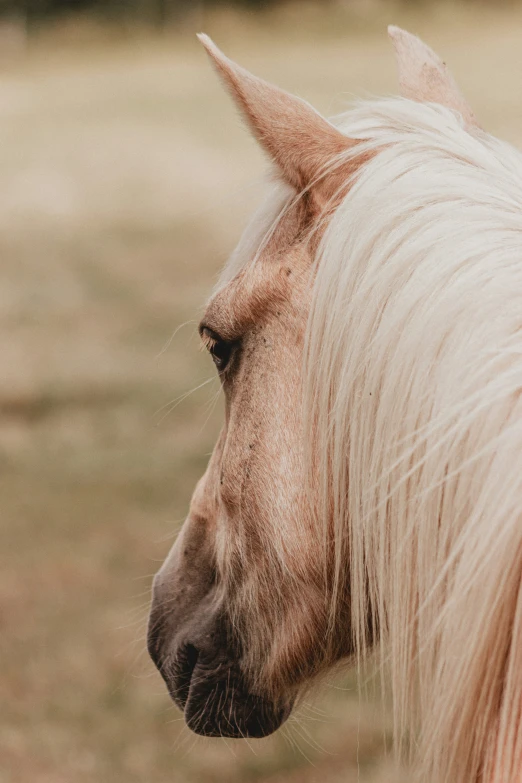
pixel 208 341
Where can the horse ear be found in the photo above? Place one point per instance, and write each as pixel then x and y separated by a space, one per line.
pixel 297 138
pixel 423 76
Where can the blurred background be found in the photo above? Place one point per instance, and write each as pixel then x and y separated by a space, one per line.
pixel 126 178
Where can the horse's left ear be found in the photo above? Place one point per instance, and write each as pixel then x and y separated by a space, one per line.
pixel 301 142
pixel 423 76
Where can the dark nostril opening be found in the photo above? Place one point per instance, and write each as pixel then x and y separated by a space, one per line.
pixel 154 641
pixel 186 661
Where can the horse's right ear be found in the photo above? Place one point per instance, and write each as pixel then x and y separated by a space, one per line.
pixel 423 76
pixel 297 138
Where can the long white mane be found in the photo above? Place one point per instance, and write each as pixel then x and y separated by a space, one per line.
pixel 413 387
pixel 412 384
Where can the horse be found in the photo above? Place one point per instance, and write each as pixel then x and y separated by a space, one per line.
pixel 365 493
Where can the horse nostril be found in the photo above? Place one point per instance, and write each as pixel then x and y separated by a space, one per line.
pixel 154 641
pixel 183 669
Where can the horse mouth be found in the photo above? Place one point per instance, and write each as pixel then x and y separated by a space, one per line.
pixel 215 699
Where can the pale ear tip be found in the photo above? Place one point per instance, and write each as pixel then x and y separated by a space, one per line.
pixel 208 44
pixel 395 32
pixel 213 51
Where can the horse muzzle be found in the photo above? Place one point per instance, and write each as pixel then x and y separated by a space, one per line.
pixel 200 661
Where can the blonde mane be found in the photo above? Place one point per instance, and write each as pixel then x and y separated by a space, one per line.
pixel 412 392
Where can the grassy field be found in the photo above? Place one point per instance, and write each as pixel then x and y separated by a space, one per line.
pixel 126 178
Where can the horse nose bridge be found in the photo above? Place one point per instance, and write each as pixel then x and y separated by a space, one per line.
pixel 237 470
pixel 230 491
pixel 188 572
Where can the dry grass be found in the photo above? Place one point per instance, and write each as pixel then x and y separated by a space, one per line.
pixel 126 177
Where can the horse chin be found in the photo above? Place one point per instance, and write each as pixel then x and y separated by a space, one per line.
pixel 216 700
pixel 235 712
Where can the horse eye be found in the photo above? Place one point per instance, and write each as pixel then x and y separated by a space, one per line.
pixel 220 350
pixel 220 353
